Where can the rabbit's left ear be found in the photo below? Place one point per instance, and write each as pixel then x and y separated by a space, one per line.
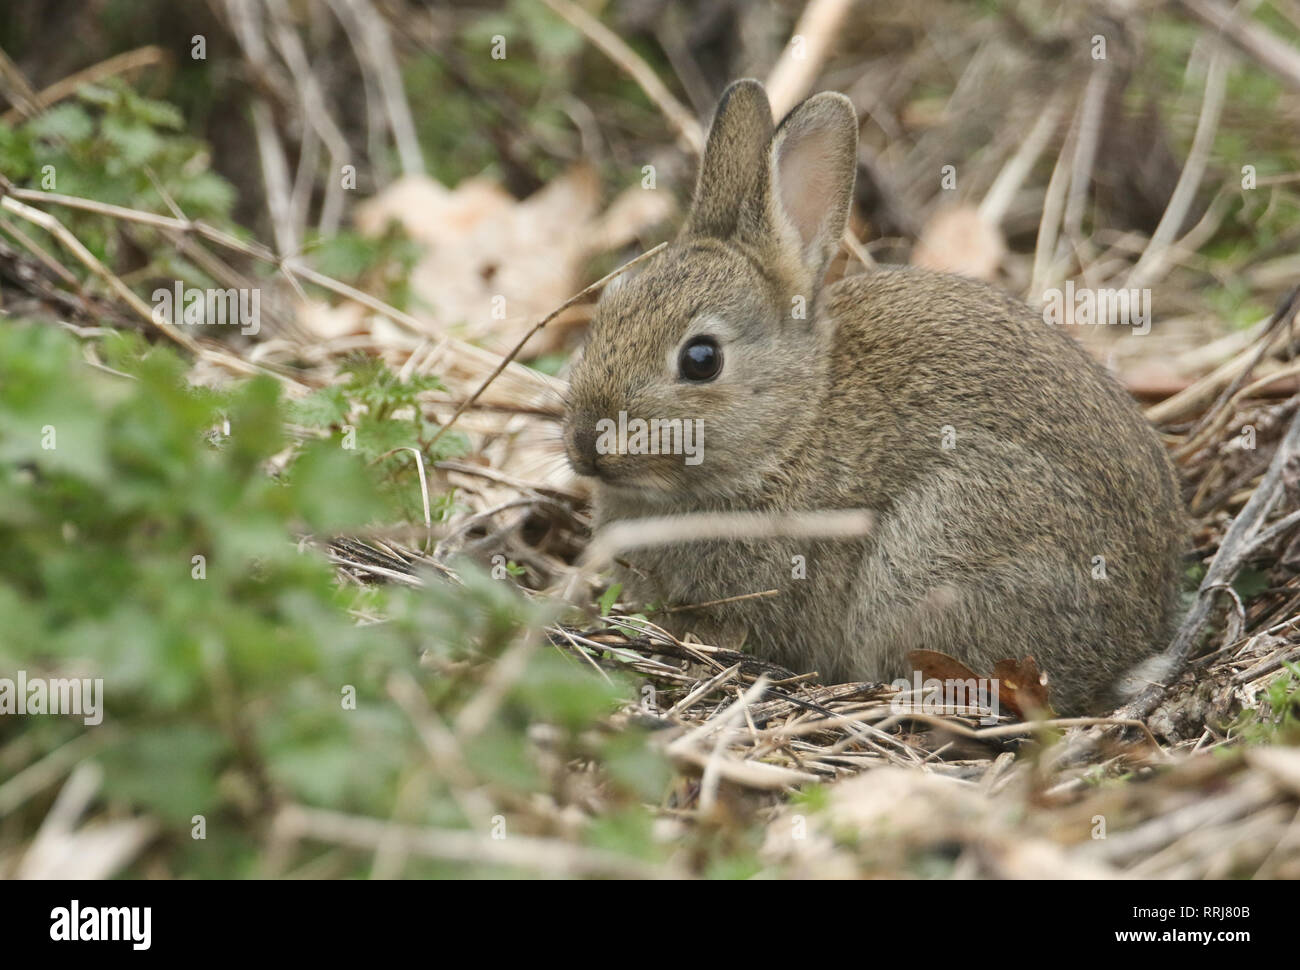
pixel 733 159
pixel 802 204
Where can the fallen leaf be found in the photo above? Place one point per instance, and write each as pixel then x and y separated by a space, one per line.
pixel 960 240
pixel 939 666
pixel 1022 688
pixel 492 265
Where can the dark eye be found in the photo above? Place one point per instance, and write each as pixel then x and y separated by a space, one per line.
pixel 701 360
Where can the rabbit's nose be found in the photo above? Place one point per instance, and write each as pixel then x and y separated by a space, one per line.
pixel 582 447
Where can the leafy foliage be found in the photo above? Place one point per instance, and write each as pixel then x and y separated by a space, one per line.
pixel 378 414
pixel 1277 719
pixel 141 545
pixel 380 265
pixel 113 145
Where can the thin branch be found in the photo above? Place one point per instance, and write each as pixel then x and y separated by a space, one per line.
pixel 1233 550
pixel 617 50
pixel 550 856
pixel 1250 36
pixel 60 232
pixel 135 60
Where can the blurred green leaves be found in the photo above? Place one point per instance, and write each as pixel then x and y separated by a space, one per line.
pixel 142 544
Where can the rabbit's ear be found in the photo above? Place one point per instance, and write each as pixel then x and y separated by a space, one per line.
pixel 802 203
pixel 733 159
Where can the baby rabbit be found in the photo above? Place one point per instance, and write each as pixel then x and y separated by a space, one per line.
pixel 1021 504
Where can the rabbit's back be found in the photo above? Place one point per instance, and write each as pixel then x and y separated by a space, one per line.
pixel 1025 506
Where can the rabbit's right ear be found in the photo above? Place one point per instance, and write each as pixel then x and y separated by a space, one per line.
pixel 733 159
pixel 798 213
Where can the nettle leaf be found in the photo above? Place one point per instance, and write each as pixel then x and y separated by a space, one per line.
pixel 451 445
pixel 1250 583
pixel 103 95
pixel 168 567
pixel 135 143
pixel 324 408
pixel 637 766
pixel 629 832
pixel 329 755
pixel 23 617
pixel 501 755
pixel 256 423
pixel 17 153
pixel 169 768
pixel 345 255
pixel 44 419
pixel 70 122
pixel 382 436
pixel 160 114
pixel 331 489
pixel 203 193
pixel 375 384
pixel 558 690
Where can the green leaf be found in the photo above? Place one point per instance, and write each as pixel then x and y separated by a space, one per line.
pixel 67 121
pixel 557 690
pixel 168 769
pixel 331 488
pixel 1250 583
pixel 609 598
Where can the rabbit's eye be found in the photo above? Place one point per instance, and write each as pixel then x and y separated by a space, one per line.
pixel 701 360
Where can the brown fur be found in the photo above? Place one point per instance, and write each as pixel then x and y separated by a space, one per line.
pixel 982 551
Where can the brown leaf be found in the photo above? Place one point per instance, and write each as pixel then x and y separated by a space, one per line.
pixel 1022 689
pixel 491 264
pixel 939 666
pixel 960 240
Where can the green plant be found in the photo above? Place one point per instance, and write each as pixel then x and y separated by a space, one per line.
pixel 115 146
pixel 379 415
pixel 1277 718
pixel 141 544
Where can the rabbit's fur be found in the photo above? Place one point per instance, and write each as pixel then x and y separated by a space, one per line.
pixel 984 550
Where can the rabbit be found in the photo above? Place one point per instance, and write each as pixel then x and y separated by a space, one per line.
pixel 1021 505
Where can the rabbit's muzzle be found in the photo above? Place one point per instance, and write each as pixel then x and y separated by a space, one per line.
pixel 580 446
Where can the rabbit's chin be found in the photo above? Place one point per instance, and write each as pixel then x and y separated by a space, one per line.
pixel 642 491
pixel 643 496
pixel 654 480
